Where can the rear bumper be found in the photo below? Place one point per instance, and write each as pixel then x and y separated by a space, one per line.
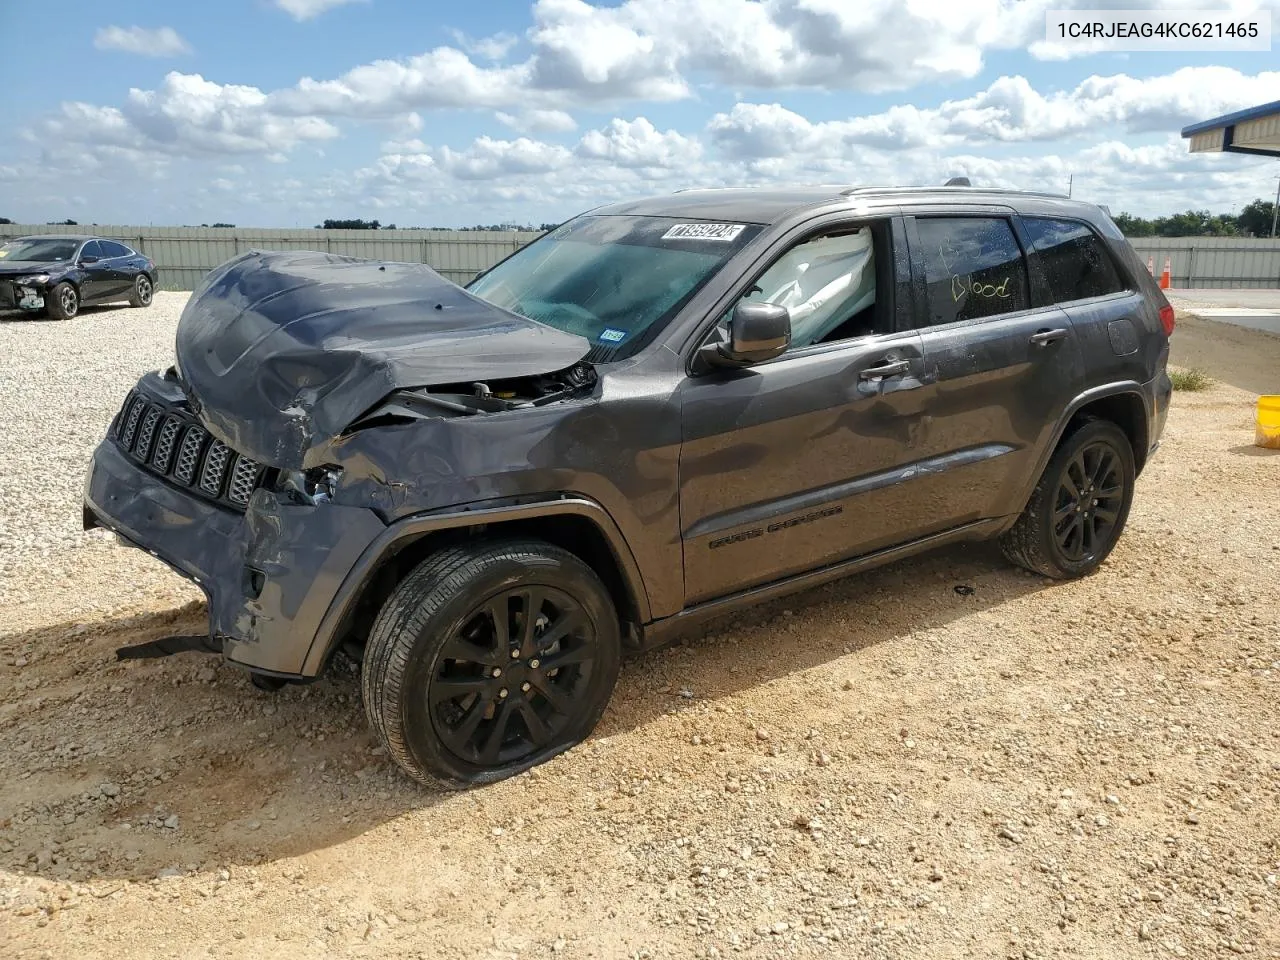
pixel 269 574
pixel 1158 393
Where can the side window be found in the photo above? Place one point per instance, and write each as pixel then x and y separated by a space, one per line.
pixel 973 268
pixel 92 249
pixel 1075 262
pixel 112 249
pixel 828 285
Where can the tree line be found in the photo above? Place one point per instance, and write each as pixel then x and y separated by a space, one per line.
pixel 1253 221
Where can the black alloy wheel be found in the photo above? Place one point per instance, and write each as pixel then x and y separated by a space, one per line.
pixel 513 678
pixel 488 658
pixel 1078 509
pixel 1088 502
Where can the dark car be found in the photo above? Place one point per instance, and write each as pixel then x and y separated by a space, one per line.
pixel 658 412
pixel 60 274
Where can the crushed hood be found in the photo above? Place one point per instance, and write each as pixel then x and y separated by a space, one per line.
pixel 282 351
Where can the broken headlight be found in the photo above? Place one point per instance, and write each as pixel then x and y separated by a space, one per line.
pixel 35 279
pixel 313 486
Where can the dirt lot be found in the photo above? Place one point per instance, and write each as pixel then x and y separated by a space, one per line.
pixel 886 767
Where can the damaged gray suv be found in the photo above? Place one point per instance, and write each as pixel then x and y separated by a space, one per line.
pixel 658 412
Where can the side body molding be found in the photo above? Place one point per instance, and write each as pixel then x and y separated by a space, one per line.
pixel 472 515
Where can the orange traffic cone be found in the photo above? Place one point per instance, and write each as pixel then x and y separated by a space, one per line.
pixel 1151 266
pixel 1164 275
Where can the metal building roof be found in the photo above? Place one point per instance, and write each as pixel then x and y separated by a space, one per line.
pixel 1255 131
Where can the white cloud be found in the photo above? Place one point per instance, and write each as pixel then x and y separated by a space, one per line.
pixel 160 42
pixel 188 115
pixel 1008 110
pixel 307 9
pixel 538 121
pixel 488 159
pixel 493 47
pixel 639 144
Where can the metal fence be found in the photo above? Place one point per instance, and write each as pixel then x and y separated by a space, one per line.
pixel 1237 262
pixel 185 254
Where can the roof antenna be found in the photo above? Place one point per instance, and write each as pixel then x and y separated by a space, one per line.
pixel 958 182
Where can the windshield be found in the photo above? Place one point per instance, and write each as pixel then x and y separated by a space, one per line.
pixel 612 279
pixel 39 251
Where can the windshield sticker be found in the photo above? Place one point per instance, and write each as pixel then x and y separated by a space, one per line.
pixel 612 335
pixel 720 232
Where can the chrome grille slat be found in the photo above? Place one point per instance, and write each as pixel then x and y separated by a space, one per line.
pixel 142 449
pixel 165 443
pixel 215 468
pixel 118 424
pixel 131 423
pixel 189 455
pixel 244 478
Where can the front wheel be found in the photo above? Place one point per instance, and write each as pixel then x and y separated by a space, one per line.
pixel 489 659
pixel 142 292
pixel 1079 507
pixel 63 301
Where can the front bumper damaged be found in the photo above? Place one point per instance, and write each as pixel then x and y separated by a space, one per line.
pixel 269 573
pixel 21 296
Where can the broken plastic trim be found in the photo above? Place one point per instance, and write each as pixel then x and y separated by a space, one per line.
pixel 313 487
pixel 168 646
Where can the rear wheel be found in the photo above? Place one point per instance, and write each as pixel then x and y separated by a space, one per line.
pixel 142 292
pixel 63 301
pixel 1078 509
pixel 489 659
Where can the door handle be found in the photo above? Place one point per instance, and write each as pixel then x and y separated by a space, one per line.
pixel 890 368
pixel 1042 338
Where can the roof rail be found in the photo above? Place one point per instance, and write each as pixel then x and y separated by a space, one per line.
pixel 999 191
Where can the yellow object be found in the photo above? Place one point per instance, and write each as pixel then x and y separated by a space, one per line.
pixel 1268 422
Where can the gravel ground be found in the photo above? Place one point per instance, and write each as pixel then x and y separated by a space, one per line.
pixel 886 767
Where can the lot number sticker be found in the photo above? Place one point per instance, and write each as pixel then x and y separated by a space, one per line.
pixel 720 232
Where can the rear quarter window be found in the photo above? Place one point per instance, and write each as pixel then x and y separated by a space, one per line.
pixel 1073 259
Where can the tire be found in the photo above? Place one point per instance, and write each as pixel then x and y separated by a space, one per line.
pixel 142 291
pixel 428 680
pixel 63 301
pixel 1052 536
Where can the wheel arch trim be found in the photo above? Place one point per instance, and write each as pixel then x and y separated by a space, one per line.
pixel 1105 391
pixel 413 527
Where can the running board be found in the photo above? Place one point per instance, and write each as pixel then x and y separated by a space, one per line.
pixel 663 631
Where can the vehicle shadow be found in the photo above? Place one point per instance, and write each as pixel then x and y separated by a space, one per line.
pixel 1253 450
pixel 126 770
pixel 39 316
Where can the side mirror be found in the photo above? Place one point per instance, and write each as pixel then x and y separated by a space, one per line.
pixel 88 259
pixel 757 332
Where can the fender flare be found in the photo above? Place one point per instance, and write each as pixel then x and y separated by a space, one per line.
pixel 484 512
pixel 1116 389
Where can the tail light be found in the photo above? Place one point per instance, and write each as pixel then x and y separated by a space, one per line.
pixel 1166 319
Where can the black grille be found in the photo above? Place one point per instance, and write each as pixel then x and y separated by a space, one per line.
pixel 165 445
pixel 168 441
pixel 189 455
pixel 244 478
pixel 215 468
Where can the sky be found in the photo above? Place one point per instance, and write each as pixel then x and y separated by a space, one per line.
pixel 420 113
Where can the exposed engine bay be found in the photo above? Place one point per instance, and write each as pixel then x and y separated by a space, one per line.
pixel 469 399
